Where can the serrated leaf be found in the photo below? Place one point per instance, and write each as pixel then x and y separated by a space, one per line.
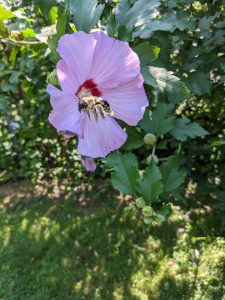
pixel 142 17
pixel 184 128
pixel 150 187
pixel 137 14
pixel 125 172
pixel 165 82
pixel 146 53
pixel 146 29
pixel 159 121
pixel 172 176
pixel 199 83
pixel 86 13
pixel 5 14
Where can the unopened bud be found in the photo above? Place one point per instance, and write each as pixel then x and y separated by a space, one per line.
pixel 150 157
pixel 147 220
pixel 140 202
pixel 16 35
pixel 147 211
pixel 150 139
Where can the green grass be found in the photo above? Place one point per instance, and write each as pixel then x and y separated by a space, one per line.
pixel 93 246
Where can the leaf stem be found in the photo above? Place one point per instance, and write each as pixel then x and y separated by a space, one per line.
pixel 22 43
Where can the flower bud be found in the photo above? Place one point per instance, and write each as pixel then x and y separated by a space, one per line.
pixel 160 218
pixel 147 220
pixel 16 35
pixel 89 164
pixel 140 202
pixel 147 211
pixel 150 157
pixel 150 139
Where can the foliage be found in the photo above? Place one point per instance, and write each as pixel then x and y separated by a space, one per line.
pixel 180 44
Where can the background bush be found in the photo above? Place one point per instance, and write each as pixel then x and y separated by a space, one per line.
pixel 180 36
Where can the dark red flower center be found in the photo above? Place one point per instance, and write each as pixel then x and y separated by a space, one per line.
pixel 88 87
pixel 90 100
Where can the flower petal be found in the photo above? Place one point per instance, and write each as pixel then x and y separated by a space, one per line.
pixel 77 51
pixel 89 164
pixel 101 137
pixel 114 62
pixel 65 115
pixel 66 78
pixel 127 101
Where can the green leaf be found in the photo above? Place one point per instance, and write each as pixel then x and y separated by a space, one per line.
pixel 135 139
pixel 165 82
pixel 172 176
pixel 123 33
pixel 28 33
pixel 125 172
pixel 217 144
pixel 184 128
pixel 111 25
pixel 61 25
pixel 53 14
pixel 52 44
pixel 5 14
pixel 199 83
pixel 4 103
pixel 4 31
pixel 45 6
pixel 148 78
pixel 149 26
pixel 147 53
pixel 143 17
pixel 159 121
pixel 86 13
pixel 150 187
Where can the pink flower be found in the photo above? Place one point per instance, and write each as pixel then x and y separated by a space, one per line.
pixel 89 164
pixel 100 80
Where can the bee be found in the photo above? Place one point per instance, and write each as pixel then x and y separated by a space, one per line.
pixel 94 104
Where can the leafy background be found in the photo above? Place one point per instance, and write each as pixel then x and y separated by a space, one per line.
pixel 175 156
pixel 181 50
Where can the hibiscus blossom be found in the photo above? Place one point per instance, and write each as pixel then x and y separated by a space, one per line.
pixel 100 80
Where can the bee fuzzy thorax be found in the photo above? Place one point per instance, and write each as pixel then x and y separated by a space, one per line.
pixel 96 105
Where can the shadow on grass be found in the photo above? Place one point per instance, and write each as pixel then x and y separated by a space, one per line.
pixel 56 249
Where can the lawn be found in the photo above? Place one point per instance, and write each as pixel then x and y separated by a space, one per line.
pixel 94 245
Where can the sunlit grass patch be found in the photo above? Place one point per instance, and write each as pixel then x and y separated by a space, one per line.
pixel 59 249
